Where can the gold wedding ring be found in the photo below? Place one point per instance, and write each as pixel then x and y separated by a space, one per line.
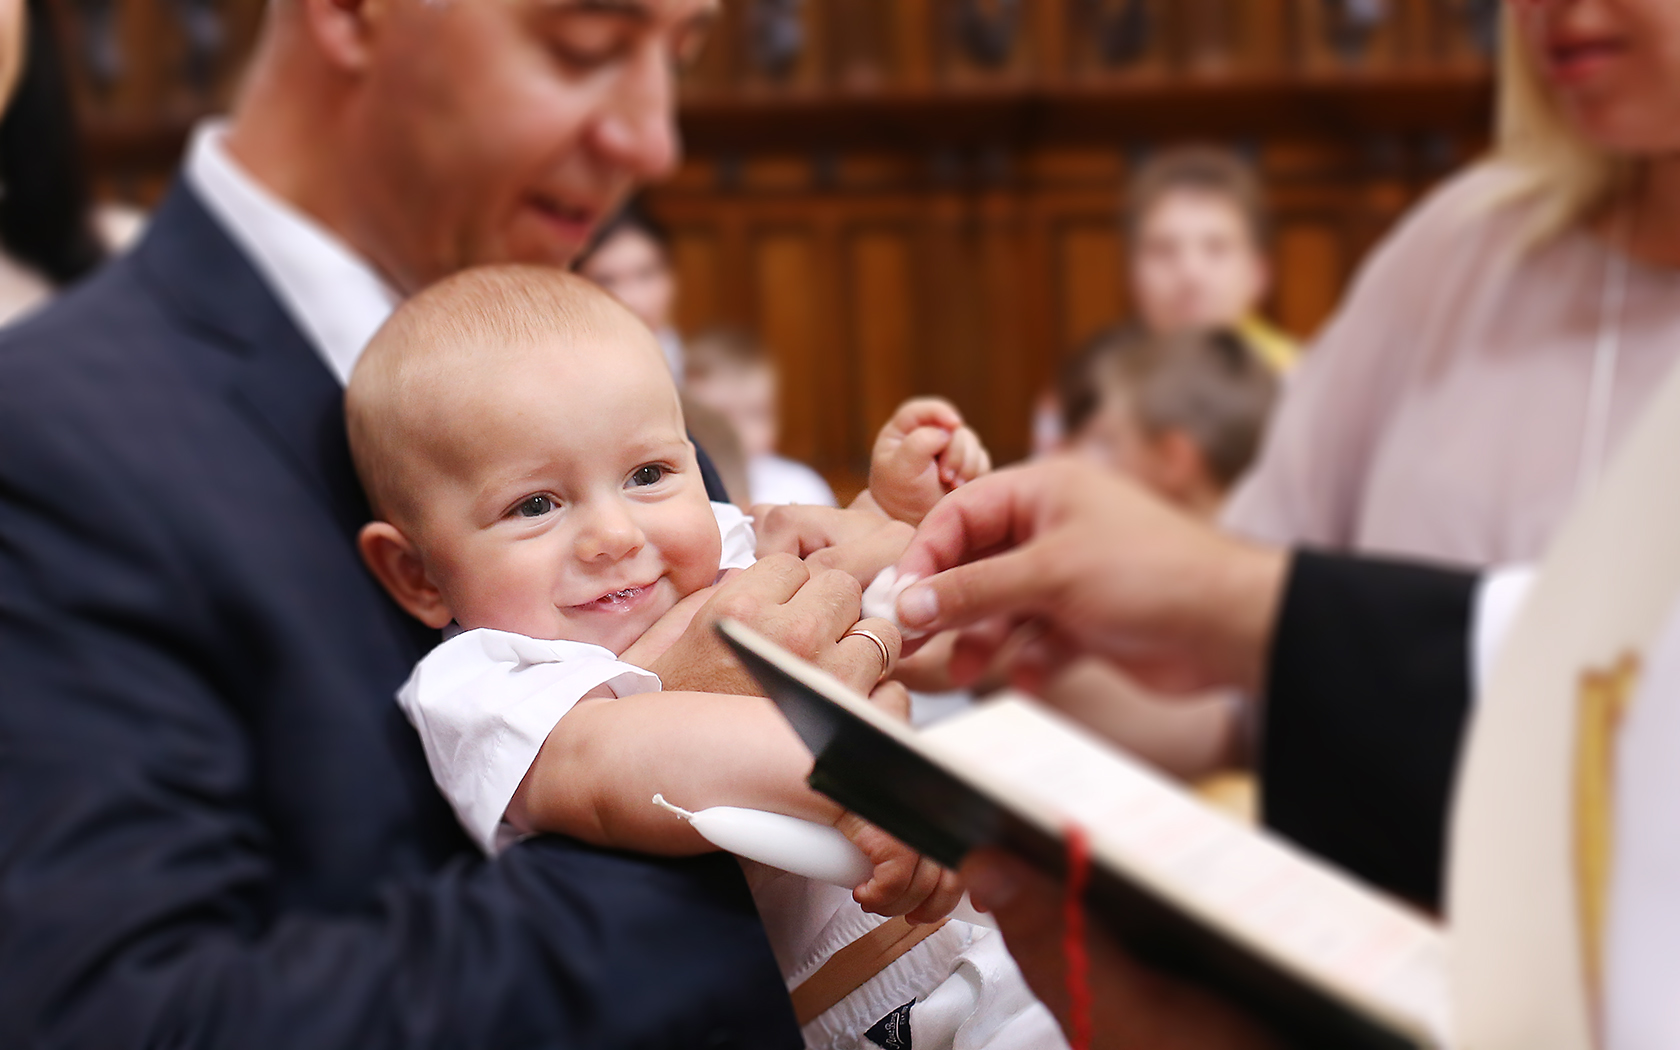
pixel 886 654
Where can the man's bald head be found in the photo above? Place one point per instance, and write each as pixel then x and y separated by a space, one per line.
pixel 441 366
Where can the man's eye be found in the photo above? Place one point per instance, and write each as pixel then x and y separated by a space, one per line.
pixel 651 474
pixel 587 41
pixel 535 507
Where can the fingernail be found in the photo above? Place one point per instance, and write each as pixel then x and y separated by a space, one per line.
pixel 918 606
pixel 989 886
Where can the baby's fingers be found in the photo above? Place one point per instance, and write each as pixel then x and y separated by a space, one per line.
pixel 964 459
pixel 924 412
pixel 946 895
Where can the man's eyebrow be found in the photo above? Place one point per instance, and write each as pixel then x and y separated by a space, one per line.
pixel 635 9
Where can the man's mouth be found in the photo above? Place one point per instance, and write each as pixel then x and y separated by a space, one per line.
pixel 576 220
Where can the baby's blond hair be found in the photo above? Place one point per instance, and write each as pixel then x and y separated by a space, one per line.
pixel 395 405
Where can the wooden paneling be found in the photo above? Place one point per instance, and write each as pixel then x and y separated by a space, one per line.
pixel 898 212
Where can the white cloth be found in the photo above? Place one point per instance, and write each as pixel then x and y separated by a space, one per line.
pixel 880 600
pixel 967 991
pixel 1499 598
pixel 337 300
pixel 483 703
pixel 740 543
pixel 775 479
pixel 1644 921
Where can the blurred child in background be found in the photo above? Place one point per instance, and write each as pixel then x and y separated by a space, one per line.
pixel 1184 416
pixel 1197 229
pixel 730 372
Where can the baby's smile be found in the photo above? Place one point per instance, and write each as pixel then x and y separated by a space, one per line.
pixel 620 601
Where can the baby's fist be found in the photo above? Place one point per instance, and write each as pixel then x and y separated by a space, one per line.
pixel 922 453
pixel 904 882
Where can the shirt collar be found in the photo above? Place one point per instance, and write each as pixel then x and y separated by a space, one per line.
pixel 333 295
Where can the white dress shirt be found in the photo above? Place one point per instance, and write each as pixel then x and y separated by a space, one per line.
pixel 335 297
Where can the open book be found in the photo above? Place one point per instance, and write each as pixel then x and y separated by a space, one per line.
pixel 1326 960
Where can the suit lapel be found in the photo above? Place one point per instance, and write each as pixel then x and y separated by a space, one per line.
pixel 279 381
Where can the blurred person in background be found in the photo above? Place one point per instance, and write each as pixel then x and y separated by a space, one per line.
pixel 51 235
pixel 631 258
pixel 1197 230
pixel 1182 415
pixel 1496 346
pixel 730 372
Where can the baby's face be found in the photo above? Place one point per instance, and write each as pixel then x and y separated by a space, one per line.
pixel 571 505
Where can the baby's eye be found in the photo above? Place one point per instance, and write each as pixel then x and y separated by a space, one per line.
pixel 535 507
pixel 651 474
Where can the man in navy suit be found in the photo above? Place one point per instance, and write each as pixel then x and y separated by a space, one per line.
pixel 216 829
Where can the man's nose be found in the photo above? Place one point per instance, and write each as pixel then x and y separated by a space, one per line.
pixel 609 532
pixel 639 128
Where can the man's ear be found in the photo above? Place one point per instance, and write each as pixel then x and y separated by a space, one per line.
pixel 343 29
pixel 396 564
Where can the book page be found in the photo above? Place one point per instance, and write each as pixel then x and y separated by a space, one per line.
pixel 1305 916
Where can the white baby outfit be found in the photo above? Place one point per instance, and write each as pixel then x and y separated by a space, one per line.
pixel 484 701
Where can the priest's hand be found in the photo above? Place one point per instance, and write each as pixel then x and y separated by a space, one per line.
pixel 1060 557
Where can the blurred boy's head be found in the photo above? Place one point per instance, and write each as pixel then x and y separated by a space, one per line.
pixel 521 444
pixel 1197 234
pixel 730 372
pixel 1182 414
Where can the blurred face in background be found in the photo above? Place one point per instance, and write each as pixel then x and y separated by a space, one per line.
pixel 1195 264
pixel 11 48
pixel 747 398
pixel 1613 66
pixel 632 267
pixel 497 131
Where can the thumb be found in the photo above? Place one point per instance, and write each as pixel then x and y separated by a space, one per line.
pixel 1015 583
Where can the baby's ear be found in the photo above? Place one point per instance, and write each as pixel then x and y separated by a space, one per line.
pixel 395 563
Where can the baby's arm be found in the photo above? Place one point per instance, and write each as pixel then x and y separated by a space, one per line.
pixel 597 773
pixel 922 453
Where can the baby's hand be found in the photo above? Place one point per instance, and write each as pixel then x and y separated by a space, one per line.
pixel 904 882
pixel 922 453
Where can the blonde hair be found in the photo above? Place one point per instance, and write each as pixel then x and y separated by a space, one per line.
pixel 1564 179
pixel 397 400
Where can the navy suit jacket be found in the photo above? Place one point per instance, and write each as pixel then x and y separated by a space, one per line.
pixel 216 828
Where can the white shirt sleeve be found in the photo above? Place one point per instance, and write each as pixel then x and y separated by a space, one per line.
pixel 1499 598
pixel 484 701
pixel 740 544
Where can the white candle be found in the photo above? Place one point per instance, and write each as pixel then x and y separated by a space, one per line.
pixel 802 847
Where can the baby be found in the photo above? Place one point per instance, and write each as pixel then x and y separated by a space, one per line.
pixel 521 443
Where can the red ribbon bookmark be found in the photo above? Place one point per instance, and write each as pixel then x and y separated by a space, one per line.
pixel 1074 953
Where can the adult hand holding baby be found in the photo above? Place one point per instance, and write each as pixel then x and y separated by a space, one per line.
pixel 811 612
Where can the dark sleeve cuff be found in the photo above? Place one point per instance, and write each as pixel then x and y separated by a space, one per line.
pixel 1367 698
